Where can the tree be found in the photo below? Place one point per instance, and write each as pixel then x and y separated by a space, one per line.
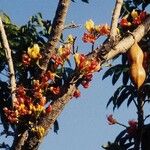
pixel 40 83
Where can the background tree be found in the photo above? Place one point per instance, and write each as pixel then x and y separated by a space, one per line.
pixel 42 84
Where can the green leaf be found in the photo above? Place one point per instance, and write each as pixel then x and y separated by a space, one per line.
pixel 116 77
pixel 131 98
pixel 109 72
pixel 124 59
pixel 121 134
pixel 116 71
pixel 110 100
pixel 39 19
pixel 125 78
pixel 56 127
pixel 86 1
pixel 5 18
pixel 128 145
pixel 123 96
pixel 114 97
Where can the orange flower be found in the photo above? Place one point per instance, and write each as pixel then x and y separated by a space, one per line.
pixel 79 59
pixel 104 29
pixel 51 75
pixel 64 51
pixel 57 59
pixel 42 101
pixel 55 90
pixel 86 65
pixel 88 38
pixel 125 23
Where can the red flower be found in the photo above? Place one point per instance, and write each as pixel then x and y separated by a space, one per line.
pixel 132 127
pixel 142 15
pixel 137 20
pixel 111 120
pixel 77 93
pixel 104 29
pixel 55 90
pixel 57 59
pixel 132 123
pixel 88 38
pixel 88 76
pixel 85 84
pixel 21 90
pixel 49 108
pixel 26 59
pixel 124 22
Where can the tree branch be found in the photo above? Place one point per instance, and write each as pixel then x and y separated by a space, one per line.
pixel 114 21
pixel 58 105
pixel 128 41
pixel 56 31
pixel 9 61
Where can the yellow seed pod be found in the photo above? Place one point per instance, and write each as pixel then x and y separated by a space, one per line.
pixel 137 72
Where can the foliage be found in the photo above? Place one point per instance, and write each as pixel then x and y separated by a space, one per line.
pixel 128 92
pixel 38 90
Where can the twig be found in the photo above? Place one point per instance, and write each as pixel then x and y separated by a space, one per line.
pixel 71 26
pixel 9 61
pixel 121 124
pixel 56 31
pixel 114 21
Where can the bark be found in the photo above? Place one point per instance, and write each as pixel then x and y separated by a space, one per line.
pixel 9 61
pixel 56 31
pixel 115 18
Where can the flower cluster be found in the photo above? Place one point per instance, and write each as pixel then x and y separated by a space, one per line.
pixel 63 52
pixel 94 31
pixel 86 80
pixel 86 65
pixel 39 130
pixel 24 105
pixel 33 53
pixel 134 19
pixel 85 83
pixel 133 125
pixel 77 93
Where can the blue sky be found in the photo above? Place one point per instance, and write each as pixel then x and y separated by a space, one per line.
pixel 83 122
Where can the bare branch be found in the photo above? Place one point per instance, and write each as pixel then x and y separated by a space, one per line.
pixel 9 61
pixel 114 21
pixel 56 31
